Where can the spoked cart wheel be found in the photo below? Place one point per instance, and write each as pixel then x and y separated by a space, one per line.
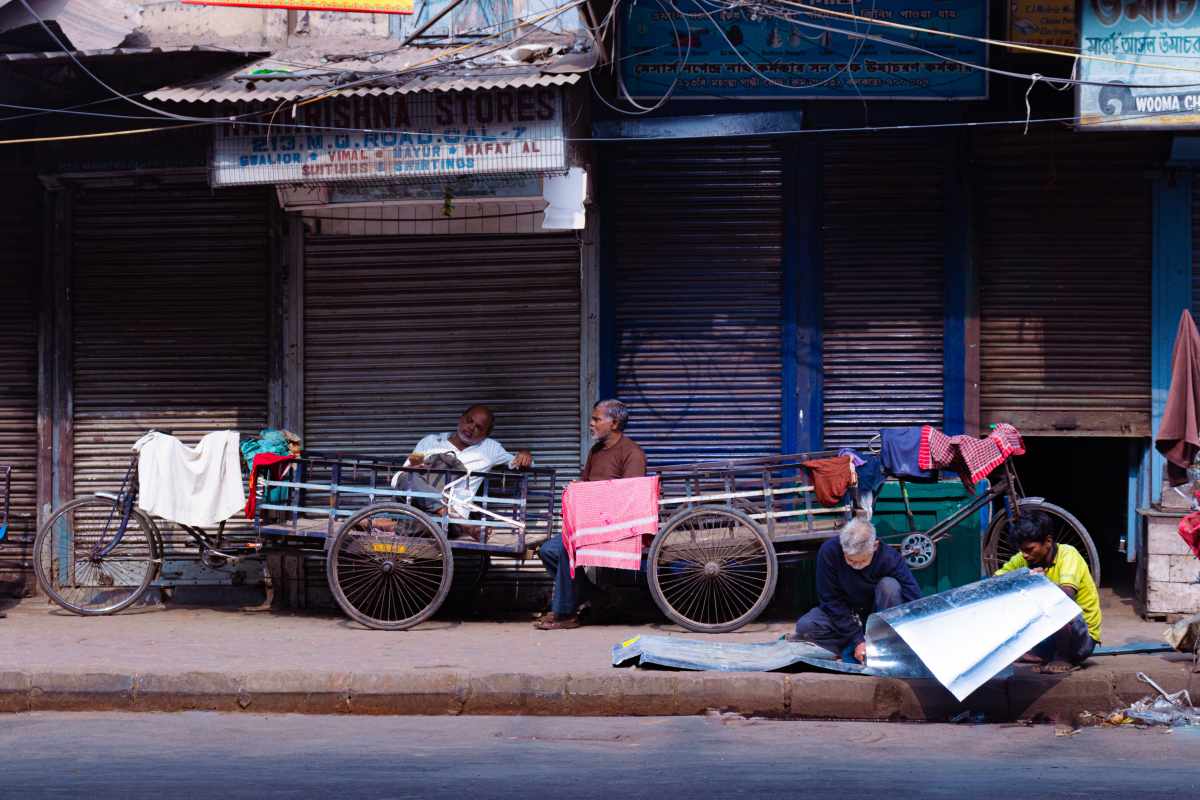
pixel 1066 529
pixel 390 567
pixel 82 565
pixel 712 570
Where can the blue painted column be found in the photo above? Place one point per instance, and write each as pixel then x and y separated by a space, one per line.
pixel 803 377
pixel 960 343
pixel 1171 292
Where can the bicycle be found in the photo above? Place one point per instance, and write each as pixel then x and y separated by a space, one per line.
pixel 99 553
pixel 919 548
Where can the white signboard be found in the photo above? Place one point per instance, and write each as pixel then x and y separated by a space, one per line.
pixel 398 137
pixel 1143 72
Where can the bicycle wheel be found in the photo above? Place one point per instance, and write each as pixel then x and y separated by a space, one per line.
pixel 712 570
pixel 80 566
pixel 1066 529
pixel 390 567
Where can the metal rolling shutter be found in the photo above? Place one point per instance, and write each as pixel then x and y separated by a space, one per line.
pixel 1065 256
pixel 883 233
pixel 401 333
pixel 170 308
pixel 698 245
pixel 20 265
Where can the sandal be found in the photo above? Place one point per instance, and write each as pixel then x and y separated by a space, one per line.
pixel 553 622
pixel 1057 668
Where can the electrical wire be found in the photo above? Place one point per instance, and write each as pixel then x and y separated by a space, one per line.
pixel 542 16
pixel 826 12
pixel 1034 78
pixel 1066 120
pixel 438 219
pixel 989 69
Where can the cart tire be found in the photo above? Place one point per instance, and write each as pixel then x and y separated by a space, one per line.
pixel 712 570
pixel 70 570
pixel 998 548
pixel 390 577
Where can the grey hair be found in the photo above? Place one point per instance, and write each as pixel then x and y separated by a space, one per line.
pixel 857 537
pixel 616 411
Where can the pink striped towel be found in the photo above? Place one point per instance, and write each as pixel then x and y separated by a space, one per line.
pixel 604 522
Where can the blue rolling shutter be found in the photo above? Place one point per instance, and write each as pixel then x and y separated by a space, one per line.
pixel 697 232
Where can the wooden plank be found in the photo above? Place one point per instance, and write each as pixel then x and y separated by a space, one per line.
pixel 1184 569
pixel 1163 537
pixel 1173 598
pixel 1158 568
pixel 293 414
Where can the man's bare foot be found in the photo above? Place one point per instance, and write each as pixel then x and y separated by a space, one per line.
pixel 1030 658
pixel 1057 668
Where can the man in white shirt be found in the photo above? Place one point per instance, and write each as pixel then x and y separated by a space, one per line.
pixel 469 443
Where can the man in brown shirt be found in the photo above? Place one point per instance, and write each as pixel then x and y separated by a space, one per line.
pixel 613 456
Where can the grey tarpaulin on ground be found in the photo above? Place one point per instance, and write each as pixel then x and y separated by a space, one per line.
pixel 962 637
pixel 677 653
pixel 965 636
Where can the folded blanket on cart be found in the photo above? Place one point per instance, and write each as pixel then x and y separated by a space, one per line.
pixel 604 521
pixel 272 466
pixel 198 487
pixel 971 457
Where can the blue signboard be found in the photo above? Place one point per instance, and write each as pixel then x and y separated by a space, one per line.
pixel 781 52
pixel 1145 64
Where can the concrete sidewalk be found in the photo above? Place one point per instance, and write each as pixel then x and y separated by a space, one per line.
pixel 180 658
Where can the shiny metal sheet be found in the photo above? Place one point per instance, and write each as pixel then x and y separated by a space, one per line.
pixel 965 636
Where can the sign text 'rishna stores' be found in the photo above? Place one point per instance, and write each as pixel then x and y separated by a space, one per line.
pixel 400 136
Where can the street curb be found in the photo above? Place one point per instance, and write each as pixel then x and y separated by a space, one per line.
pixel 621 692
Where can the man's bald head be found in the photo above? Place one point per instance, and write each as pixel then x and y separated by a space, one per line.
pixel 476 424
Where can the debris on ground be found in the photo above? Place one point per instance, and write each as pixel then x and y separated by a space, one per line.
pixel 1184 636
pixel 1166 708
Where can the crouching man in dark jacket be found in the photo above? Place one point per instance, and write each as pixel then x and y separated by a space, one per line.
pixel 855 578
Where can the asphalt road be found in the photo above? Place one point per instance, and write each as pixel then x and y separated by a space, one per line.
pixel 229 756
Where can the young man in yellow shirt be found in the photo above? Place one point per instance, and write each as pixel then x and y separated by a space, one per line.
pixel 1065 566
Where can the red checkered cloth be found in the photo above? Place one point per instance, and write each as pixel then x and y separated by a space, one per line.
pixel 971 457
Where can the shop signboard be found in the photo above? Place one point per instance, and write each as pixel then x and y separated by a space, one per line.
pixel 420 136
pixel 744 53
pixel 349 6
pixel 1046 23
pixel 1144 62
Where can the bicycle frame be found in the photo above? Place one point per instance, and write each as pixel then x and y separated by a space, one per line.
pixel 1006 487
pixel 126 499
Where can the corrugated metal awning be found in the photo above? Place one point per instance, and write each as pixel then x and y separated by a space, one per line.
pixel 282 90
pixel 300 72
pixel 121 52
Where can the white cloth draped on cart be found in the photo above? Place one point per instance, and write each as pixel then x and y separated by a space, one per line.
pixel 197 487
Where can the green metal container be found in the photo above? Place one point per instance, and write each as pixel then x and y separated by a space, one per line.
pixel 959 556
pixel 958 560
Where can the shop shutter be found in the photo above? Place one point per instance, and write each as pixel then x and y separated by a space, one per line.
pixel 883 239
pixel 170 310
pixel 1065 239
pixel 402 333
pixel 697 239
pixel 20 266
